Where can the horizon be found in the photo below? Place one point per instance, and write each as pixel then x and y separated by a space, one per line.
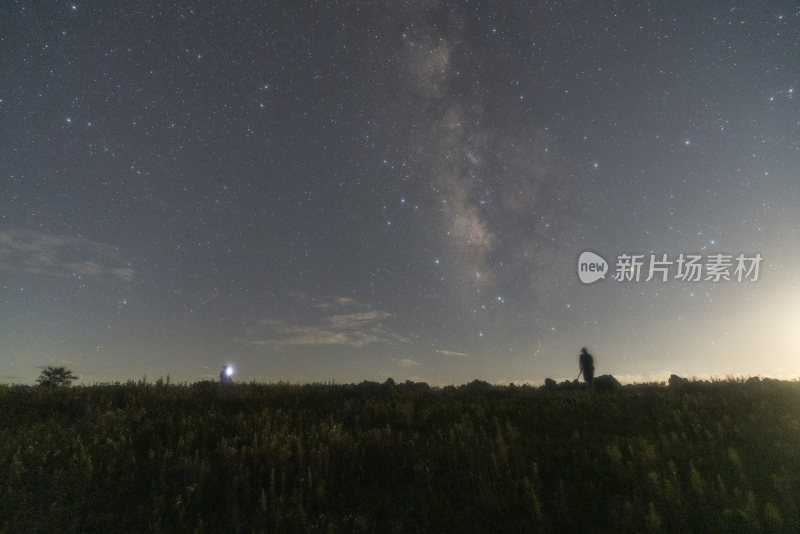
pixel 169 380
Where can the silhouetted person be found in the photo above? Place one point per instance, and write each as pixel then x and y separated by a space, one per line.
pixel 587 367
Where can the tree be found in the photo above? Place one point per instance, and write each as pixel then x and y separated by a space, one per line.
pixel 56 376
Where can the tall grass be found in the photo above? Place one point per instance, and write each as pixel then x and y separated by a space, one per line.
pixel 710 457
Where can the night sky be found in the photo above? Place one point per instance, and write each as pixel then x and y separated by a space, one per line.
pixel 347 191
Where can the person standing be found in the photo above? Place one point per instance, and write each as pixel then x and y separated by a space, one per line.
pixel 586 362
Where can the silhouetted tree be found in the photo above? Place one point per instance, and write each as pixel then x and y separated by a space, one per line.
pixel 56 376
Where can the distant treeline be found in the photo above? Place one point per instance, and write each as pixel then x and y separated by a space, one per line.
pixel 721 456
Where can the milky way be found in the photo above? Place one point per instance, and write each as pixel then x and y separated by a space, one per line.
pixel 343 191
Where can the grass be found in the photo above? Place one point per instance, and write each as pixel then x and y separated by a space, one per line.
pixel 699 457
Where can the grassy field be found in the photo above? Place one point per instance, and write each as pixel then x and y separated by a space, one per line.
pixel 703 457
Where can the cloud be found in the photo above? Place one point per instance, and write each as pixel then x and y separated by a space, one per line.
pixel 349 301
pixel 125 274
pixel 341 302
pixel 408 362
pixel 310 335
pixel 356 320
pixel 336 326
pixel 35 252
pixel 84 268
pixel 452 353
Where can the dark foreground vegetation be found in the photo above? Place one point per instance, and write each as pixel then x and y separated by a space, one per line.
pixel 692 457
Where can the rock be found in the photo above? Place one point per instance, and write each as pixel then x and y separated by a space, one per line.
pixel 606 383
pixel 677 381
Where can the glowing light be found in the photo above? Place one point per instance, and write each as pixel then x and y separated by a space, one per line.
pixel 229 370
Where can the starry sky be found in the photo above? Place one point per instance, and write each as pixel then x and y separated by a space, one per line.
pixel 345 191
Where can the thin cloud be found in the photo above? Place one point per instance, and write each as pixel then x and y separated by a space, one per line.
pixel 408 362
pixel 318 336
pixel 355 329
pixel 452 353
pixel 125 274
pixel 84 268
pixel 62 256
pixel 356 320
